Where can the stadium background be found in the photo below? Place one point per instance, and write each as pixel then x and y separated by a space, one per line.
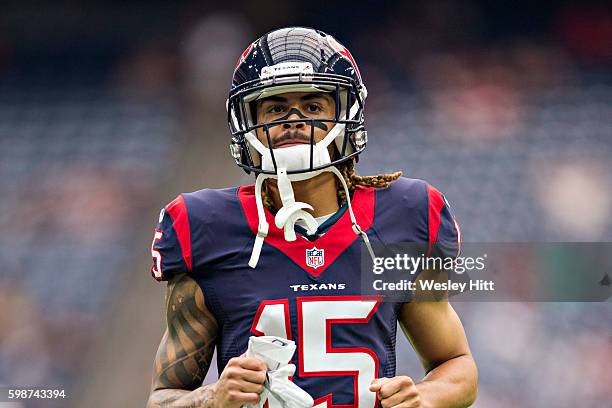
pixel 108 110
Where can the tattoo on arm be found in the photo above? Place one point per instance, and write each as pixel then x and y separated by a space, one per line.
pixel 185 352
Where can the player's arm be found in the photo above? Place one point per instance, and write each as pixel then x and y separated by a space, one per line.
pixel 437 335
pixel 186 349
pixel 435 331
pixel 185 352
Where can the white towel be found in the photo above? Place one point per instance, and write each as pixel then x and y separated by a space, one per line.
pixel 276 352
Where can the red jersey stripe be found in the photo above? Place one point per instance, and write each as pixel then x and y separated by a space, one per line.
pixel 436 203
pixel 178 211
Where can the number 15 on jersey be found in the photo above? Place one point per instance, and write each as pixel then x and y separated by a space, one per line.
pixel 317 358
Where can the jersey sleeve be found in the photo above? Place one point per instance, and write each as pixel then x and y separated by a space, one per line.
pixel 171 247
pixel 443 229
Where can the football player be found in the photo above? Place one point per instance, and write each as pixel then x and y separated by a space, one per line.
pixel 282 257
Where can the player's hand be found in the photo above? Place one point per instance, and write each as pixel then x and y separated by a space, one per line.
pixel 396 392
pixel 240 383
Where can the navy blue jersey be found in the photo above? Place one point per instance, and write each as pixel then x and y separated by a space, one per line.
pixel 307 290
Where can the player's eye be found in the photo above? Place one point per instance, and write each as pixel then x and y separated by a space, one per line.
pixel 275 109
pixel 313 108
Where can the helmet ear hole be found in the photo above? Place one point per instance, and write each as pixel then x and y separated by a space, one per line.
pixel 252 108
pixel 334 151
pixel 245 157
pixel 350 100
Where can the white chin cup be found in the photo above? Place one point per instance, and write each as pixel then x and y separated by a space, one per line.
pixel 296 157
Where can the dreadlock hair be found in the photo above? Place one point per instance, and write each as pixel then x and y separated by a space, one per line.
pixel 348 172
pixel 347 169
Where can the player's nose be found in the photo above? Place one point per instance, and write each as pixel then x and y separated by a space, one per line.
pixel 292 116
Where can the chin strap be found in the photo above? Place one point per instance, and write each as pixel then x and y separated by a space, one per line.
pixel 356 228
pixel 286 217
pixel 262 226
pixel 292 211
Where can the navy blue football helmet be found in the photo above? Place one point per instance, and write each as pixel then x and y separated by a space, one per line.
pixel 296 59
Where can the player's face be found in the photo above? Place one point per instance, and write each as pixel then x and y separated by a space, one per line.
pixel 295 105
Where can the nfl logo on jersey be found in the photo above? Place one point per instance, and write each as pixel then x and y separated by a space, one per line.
pixel 315 257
